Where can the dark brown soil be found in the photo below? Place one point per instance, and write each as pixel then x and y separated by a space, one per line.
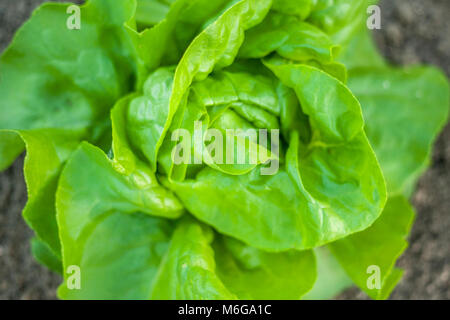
pixel 413 31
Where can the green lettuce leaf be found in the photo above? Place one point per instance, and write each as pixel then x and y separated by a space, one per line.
pixel 331 277
pixel 360 50
pixel 89 215
pixel 47 151
pixel 188 270
pixel 44 255
pixel 405 109
pixel 225 100
pixel 126 267
pixel 255 274
pixel 47 70
pixel 290 38
pixel 151 12
pixel 148 114
pixel 118 212
pixel 298 8
pixel 164 43
pixel 11 146
pixel 135 192
pixel 379 246
pixel 202 265
pixel 215 54
pixel 339 18
pixel 280 212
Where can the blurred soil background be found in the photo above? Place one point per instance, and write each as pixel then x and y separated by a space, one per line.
pixel 413 31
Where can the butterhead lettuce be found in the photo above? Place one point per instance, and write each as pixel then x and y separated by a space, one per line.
pixel 101 112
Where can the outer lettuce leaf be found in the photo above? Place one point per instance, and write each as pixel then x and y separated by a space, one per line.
pixel 330 198
pixel 11 146
pixel 126 267
pixel 44 255
pixel 188 270
pixel 331 278
pixel 123 190
pixel 91 215
pixel 339 18
pixel 131 185
pixel 47 70
pixel 361 50
pixel 254 274
pixel 199 267
pixel 50 100
pixel 47 150
pixel 405 110
pixel 379 245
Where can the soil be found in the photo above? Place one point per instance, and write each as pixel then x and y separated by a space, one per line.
pixel 413 31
